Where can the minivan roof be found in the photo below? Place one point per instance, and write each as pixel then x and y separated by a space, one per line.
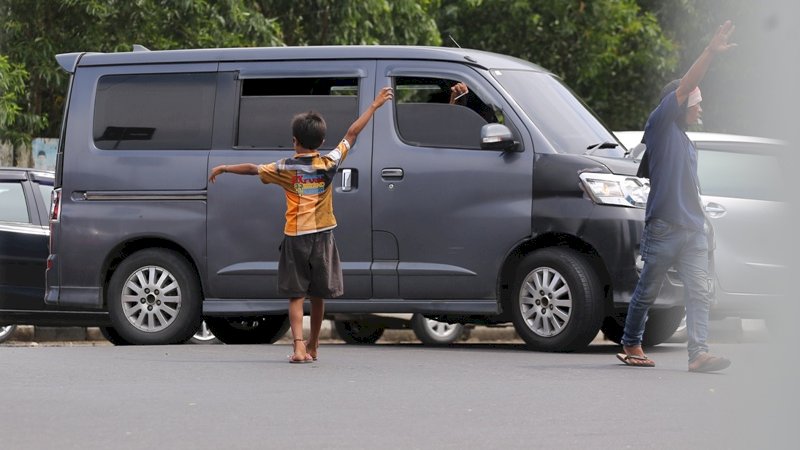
pixel 486 60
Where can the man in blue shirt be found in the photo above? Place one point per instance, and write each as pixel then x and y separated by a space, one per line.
pixel 674 220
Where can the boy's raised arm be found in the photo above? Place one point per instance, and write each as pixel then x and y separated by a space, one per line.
pixel 384 95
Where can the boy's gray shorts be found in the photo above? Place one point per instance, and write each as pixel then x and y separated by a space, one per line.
pixel 310 266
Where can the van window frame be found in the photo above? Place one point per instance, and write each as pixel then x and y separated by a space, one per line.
pixel 243 75
pixel 476 83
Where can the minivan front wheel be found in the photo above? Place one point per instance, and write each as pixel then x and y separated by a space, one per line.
pixel 557 304
pixel 154 298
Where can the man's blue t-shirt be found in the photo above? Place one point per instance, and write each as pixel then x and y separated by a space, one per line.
pixel 674 195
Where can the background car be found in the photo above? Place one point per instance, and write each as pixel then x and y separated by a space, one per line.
pixel 24 234
pixel 742 186
pixel 368 328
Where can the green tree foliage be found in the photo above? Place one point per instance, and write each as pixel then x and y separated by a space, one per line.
pixel 610 52
pixel 350 22
pixel 728 96
pixel 16 125
pixel 36 30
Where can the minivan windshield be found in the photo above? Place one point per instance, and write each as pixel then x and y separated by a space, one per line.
pixel 563 118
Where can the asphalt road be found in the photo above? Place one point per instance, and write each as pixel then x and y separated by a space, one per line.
pixel 384 396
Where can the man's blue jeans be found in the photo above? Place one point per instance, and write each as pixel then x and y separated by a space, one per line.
pixel 665 245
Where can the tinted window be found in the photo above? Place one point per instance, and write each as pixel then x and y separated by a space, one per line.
pixel 161 111
pixel 427 115
pixel 46 190
pixel 739 175
pixel 12 203
pixel 267 106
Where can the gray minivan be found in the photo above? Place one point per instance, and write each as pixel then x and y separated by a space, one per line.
pixel 512 204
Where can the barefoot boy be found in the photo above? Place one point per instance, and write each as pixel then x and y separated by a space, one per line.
pixel 309 264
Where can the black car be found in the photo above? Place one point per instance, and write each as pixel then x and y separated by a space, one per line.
pixel 24 235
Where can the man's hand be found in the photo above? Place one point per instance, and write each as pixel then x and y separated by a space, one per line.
pixel 719 43
pixel 458 91
pixel 384 96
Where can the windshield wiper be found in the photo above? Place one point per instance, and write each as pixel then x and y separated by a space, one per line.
pixel 600 145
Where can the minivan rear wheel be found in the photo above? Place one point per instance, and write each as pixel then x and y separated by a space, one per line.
pixel 557 302
pixel 154 298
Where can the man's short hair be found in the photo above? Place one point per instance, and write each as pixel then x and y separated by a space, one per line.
pixel 309 129
pixel 669 87
pixel 42 153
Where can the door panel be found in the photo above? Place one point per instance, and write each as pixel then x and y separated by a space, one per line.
pixel 453 212
pixel 246 217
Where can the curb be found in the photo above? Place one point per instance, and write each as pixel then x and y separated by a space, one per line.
pixel 29 333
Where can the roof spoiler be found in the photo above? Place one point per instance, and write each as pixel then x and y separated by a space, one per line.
pixel 68 61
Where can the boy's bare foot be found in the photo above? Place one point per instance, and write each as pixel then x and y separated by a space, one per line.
pixel 634 356
pixel 300 354
pixel 312 349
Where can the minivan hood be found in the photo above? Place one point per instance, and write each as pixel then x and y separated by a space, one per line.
pixel 619 166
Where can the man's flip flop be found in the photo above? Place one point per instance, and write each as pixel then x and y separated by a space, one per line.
pixel 712 364
pixel 643 361
pixel 294 360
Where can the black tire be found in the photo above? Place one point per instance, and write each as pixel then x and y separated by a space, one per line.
pixel 432 332
pixel 661 325
pixel 7 332
pixel 564 314
pixel 169 305
pixel 357 332
pixel 112 336
pixel 249 330
pixel 613 328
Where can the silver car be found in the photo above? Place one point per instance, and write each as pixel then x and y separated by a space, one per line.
pixel 742 185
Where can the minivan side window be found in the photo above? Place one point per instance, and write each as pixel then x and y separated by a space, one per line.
pixel 427 117
pixel 172 111
pixel 13 207
pixel 267 106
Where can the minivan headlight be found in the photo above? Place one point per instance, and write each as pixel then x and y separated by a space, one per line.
pixel 621 190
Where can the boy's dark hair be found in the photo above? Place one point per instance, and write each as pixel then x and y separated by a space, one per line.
pixel 309 129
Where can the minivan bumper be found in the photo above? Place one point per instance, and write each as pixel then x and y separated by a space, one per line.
pixel 615 233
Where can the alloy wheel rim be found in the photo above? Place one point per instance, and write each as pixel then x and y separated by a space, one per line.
pixel 151 299
pixel 545 301
pixel 441 329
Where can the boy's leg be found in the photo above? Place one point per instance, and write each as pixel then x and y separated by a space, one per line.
pixel 317 315
pixel 296 324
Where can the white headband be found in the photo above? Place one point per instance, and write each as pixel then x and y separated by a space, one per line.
pixel 694 97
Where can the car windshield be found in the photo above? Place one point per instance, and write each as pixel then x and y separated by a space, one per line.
pixel 563 118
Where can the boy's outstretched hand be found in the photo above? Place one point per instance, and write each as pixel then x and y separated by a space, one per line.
pixel 384 95
pixel 215 172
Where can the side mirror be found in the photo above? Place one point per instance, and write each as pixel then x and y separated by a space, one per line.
pixel 495 136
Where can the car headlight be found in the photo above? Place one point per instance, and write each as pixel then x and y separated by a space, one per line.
pixel 610 189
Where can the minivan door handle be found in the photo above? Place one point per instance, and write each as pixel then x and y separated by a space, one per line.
pixel 392 173
pixel 347 180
